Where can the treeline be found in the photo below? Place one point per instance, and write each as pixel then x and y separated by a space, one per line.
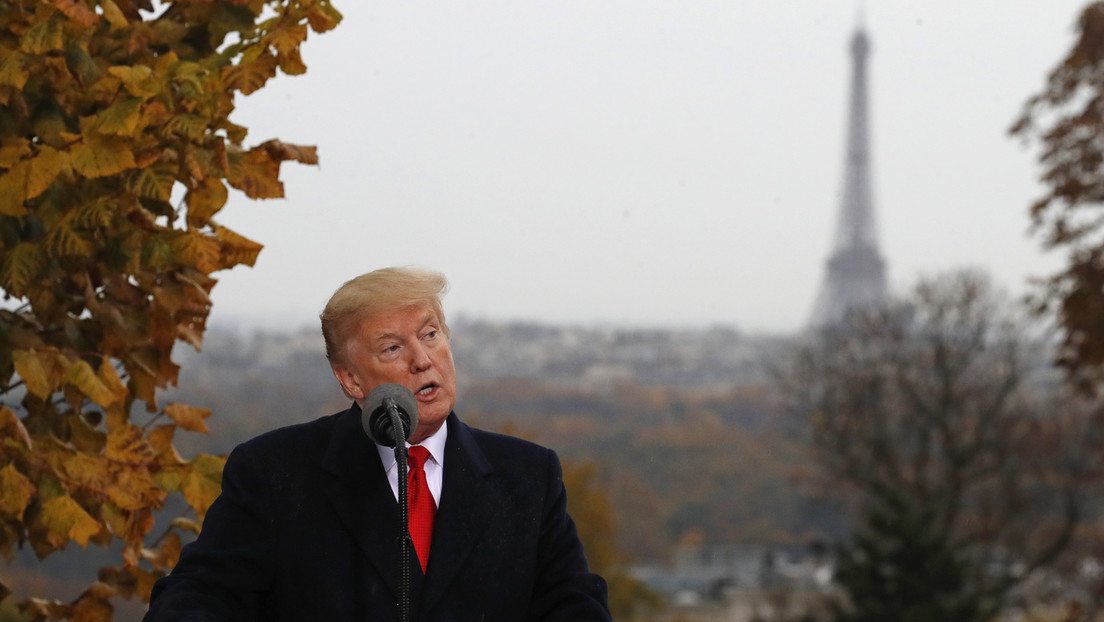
pixel 716 466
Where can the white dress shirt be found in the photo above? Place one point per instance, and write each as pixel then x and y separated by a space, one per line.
pixel 434 466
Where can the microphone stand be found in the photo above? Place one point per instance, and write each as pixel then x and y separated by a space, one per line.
pixel 404 514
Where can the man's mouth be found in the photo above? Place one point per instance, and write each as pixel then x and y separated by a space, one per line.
pixel 427 390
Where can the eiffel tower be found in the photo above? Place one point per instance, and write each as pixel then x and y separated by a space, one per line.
pixel 855 273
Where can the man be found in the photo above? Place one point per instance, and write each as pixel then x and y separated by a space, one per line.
pixel 307 525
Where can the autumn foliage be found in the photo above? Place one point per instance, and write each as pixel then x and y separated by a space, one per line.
pixel 117 153
pixel 1066 120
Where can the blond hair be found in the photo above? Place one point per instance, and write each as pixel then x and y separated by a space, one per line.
pixel 381 290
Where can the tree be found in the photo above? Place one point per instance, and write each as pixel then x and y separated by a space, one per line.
pixel 1067 120
pixel 965 468
pixel 116 153
pixel 629 598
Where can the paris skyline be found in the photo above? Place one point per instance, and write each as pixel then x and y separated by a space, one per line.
pixel 644 163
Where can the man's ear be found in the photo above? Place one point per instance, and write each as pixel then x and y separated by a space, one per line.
pixel 349 382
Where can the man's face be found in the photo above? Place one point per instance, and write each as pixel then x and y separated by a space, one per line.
pixel 406 346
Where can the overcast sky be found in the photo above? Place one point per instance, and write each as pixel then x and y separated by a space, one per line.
pixel 641 162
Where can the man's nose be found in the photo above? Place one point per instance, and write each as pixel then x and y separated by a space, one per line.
pixel 419 358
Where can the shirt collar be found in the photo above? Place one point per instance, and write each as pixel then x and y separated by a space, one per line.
pixel 435 444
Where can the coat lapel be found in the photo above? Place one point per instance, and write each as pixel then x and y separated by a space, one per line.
pixel 469 500
pixel 361 496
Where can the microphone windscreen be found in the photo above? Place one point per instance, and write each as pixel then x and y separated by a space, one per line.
pixel 376 421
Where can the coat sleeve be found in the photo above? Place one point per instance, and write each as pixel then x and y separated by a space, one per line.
pixel 565 589
pixel 222 574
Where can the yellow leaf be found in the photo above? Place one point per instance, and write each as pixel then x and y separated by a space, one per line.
pixel 92 472
pixel 93 605
pixel 15 492
pixel 121 118
pixel 170 551
pixel 193 334
pixel 291 63
pixel 13 149
pixel 186 524
pixel 63 240
pixel 99 156
pixel 323 18
pixel 203 483
pixel 130 74
pixel 126 444
pixel 29 178
pixel 286 39
pixel 116 416
pixel 280 151
pixel 256 174
pixel 139 80
pixel 171 478
pixel 21 266
pixel 81 375
pixel 96 214
pixel 13 428
pixel 44 170
pixel 13 72
pixel 160 439
pixel 155 182
pixel 84 437
pixel 77 11
pixel 251 75
pixel 65 517
pixel 188 125
pixel 42 370
pixel 134 489
pixel 45 36
pixel 205 200
pixel 197 250
pixel 13 189
pixel 236 249
pixel 113 15
pixel 188 417
pixel 110 377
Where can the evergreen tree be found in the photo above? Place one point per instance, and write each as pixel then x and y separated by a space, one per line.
pixel 899 567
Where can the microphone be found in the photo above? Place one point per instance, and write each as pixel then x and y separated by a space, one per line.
pixel 379 405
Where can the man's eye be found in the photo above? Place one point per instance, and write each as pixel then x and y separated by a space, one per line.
pixel 431 334
pixel 391 349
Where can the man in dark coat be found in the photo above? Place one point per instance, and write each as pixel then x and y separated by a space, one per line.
pixel 307 525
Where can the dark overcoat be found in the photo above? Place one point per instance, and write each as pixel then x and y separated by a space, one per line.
pixel 306 528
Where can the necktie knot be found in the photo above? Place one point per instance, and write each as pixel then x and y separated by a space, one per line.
pixel 417 456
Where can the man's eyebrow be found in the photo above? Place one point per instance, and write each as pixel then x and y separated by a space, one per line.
pixel 429 318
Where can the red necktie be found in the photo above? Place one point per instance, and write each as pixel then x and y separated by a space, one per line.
pixel 420 503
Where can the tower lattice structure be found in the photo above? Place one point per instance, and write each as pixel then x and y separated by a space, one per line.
pixel 855 272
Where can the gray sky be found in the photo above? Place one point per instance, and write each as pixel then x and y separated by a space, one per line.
pixel 641 162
